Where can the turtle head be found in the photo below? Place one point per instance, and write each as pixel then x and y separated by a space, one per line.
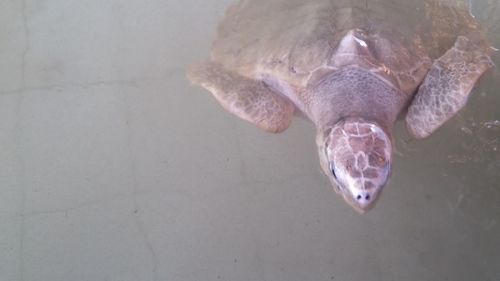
pixel 356 156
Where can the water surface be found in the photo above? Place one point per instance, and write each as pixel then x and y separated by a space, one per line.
pixel 112 167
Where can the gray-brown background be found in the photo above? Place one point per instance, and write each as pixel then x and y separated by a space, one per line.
pixel 113 168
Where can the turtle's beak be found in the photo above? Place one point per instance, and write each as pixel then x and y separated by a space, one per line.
pixel 361 192
pixel 362 205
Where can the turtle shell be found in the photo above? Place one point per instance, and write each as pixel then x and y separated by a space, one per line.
pixel 296 41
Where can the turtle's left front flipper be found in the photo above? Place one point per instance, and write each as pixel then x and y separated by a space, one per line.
pixel 447 86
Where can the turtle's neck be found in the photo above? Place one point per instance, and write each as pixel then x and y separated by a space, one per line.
pixel 355 93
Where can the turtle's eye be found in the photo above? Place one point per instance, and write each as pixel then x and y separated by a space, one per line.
pixel 333 171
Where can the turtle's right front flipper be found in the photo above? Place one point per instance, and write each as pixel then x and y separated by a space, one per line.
pixel 447 86
pixel 248 99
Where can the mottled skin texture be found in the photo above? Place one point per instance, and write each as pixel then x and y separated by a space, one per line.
pixel 349 68
pixel 358 156
pixel 446 87
pixel 247 99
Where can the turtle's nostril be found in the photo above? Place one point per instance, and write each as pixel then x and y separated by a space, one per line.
pixel 363 197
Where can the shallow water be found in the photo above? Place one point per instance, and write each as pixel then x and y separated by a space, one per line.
pixel 112 167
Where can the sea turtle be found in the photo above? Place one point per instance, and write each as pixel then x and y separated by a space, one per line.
pixel 352 67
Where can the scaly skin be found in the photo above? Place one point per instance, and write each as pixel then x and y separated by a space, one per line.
pixel 356 155
pixel 351 67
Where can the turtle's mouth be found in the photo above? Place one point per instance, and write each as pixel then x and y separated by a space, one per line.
pixel 361 198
